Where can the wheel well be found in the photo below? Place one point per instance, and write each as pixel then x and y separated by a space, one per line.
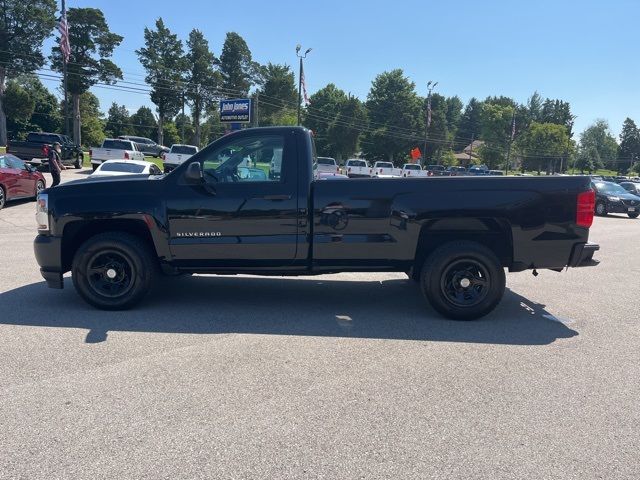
pixel 76 233
pixel 492 233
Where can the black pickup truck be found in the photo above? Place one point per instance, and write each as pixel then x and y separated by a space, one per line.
pixel 36 148
pixel 224 212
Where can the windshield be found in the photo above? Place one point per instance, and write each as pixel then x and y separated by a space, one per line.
pixel 117 144
pixel 384 165
pixel 184 149
pixel 326 161
pixel 357 163
pixel 435 167
pixel 412 167
pixel 610 188
pixel 122 167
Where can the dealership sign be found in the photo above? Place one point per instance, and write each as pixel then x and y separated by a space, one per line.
pixel 237 110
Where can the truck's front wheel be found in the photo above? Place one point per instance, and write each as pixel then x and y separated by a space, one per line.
pixel 463 280
pixel 113 270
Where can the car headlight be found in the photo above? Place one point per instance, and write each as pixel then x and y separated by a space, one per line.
pixel 614 199
pixel 42 212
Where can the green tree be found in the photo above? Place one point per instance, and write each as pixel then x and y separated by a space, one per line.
pixel 534 108
pixel 47 115
pixel 599 137
pixel 236 66
pixel 144 123
pixel 118 121
pixel 496 132
pixel 23 28
pixel 19 107
pixel 543 145
pixel 588 159
pixel 629 144
pixel 558 112
pixel 92 125
pixel 185 129
pixel 212 129
pixel 92 44
pixel 470 123
pixel 454 114
pixel 201 79
pixel 396 117
pixel 171 133
pixel 321 116
pixel 438 131
pixel 278 95
pixel 163 59
pixel 346 130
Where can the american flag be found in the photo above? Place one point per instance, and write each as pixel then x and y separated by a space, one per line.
pixel 304 86
pixel 63 28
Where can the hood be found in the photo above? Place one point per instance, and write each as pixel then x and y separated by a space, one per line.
pixel 138 182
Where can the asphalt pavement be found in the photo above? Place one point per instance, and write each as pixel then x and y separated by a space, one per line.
pixel 337 376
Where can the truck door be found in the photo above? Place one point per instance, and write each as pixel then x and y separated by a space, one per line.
pixel 245 214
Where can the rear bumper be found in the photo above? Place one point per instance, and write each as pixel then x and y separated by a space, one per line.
pixel 622 208
pixel 582 255
pixel 48 251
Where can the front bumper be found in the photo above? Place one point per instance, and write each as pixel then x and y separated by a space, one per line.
pixel 582 255
pixel 48 251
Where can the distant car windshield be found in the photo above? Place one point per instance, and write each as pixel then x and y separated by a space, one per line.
pixel 435 167
pixel 357 163
pixel 412 167
pixel 610 188
pixel 385 165
pixel 122 167
pixel 326 161
pixel 117 144
pixel 184 149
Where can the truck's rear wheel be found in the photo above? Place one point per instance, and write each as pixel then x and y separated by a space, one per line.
pixel 113 270
pixel 78 162
pixel 463 280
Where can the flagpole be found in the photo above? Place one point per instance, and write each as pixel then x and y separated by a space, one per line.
pixel 513 131
pixel 64 81
pixel 430 86
pixel 300 76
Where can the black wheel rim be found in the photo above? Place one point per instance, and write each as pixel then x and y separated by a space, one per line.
pixel 465 282
pixel 110 273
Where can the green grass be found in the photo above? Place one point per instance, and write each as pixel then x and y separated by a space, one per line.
pixel 3 149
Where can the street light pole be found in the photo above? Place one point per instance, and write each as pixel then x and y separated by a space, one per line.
pixel 300 56
pixel 430 87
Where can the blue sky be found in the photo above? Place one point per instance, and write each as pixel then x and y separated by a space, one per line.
pixel 585 52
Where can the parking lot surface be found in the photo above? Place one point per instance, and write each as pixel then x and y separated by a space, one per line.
pixel 335 376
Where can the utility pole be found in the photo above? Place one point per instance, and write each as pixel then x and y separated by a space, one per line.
pixel 301 56
pixel 256 122
pixel 183 118
pixel 430 87
pixel 64 74
pixel 473 136
pixel 513 131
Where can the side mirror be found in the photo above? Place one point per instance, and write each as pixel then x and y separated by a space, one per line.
pixel 193 174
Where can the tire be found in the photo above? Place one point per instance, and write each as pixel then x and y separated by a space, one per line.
pixel 3 197
pixel 633 215
pixel 601 209
pixel 39 187
pixel 113 270
pixel 78 163
pixel 450 267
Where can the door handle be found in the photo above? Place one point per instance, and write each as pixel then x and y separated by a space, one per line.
pixel 273 197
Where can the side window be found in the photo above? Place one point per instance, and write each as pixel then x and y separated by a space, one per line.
pixel 256 158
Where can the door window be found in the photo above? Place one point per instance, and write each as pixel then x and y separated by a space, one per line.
pixel 248 159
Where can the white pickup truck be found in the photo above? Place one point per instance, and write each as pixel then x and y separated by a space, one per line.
pixel 356 167
pixel 178 154
pixel 114 149
pixel 413 170
pixel 386 169
pixel 325 165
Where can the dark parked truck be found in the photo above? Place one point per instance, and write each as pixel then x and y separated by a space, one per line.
pixel 223 212
pixel 36 148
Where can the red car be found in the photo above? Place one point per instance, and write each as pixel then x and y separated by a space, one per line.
pixel 18 179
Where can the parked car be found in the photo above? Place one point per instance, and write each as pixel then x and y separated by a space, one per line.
pixel 357 168
pixel 478 170
pixel 114 149
pixel 18 179
pixel 176 155
pixel 457 236
pixel 631 187
pixel 35 149
pixel 612 198
pixel 112 168
pixel 456 171
pixel 331 176
pixel 413 170
pixel 146 145
pixel 436 171
pixel 323 165
pixel 495 172
pixel 386 169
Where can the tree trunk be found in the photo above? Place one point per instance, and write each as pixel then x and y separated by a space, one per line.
pixel 3 117
pixel 77 121
pixel 196 121
pixel 160 130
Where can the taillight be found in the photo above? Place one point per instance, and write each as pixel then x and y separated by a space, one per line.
pixel 338 169
pixel 90 152
pixel 45 150
pixel 126 155
pixel 585 208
